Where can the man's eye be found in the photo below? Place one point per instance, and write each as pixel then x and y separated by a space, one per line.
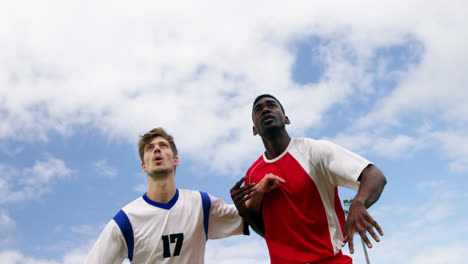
pixel 271 106
pixel 149 147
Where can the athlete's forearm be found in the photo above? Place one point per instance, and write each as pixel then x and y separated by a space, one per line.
pixel 371 186
pixel 254 204
pixel 255 220
pixel 253 214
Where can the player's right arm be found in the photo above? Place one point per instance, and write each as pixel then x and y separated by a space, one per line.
pixel 110 248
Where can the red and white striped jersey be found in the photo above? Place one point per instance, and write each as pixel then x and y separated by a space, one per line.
pixel 303 217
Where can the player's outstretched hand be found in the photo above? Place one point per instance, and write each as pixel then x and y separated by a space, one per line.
pixel 240 195
pixel 360 221
pixel 269 183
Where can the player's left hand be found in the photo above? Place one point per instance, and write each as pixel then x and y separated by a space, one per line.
pixel 360 221
pixel 269 183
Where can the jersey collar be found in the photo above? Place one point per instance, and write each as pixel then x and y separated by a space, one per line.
pixel 167 205
pixel 280 156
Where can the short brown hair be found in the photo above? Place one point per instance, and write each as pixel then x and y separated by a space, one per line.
pixel 148 137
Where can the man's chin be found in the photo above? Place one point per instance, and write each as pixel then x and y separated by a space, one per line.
pixel 270 130
pixel 157 173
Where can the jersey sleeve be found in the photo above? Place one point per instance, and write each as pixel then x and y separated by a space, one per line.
pixel 224 220
pixel 341 165
pixel 110 248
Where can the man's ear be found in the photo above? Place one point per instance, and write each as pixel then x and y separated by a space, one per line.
pixel 254 131
pixel 176 161
pixel 286 120
pixel 143 166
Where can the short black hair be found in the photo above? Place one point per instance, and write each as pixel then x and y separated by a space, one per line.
pixel 267 95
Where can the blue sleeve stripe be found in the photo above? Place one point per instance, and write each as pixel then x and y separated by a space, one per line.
pixel 206 211
pixel 126 227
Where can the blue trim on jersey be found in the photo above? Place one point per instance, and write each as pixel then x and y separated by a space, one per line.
pixel 126 227
pixel 206 211
pixel 167 205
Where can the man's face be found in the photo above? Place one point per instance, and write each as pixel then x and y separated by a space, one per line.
pixel 267 116
pixel 158 157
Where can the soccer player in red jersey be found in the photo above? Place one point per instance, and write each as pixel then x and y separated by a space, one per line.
pixel 294 204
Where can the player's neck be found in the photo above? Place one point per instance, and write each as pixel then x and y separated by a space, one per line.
pixel 161 189
pixel 276 145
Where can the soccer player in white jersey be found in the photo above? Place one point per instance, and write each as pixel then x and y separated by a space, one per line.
pixel 295 205
pixel 166 224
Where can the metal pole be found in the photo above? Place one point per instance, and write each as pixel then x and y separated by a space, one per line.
pixel 365 251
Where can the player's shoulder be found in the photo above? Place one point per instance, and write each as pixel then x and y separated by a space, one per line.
pixel 185 194
pixel 197 194
pixel 134 205
pixel 305 142
pixel 302 144
pixel 309 148
pixel 188 192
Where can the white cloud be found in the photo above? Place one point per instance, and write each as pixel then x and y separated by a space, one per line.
pixel 224 251
pixel 453 253
pixel 74 256
pixel 104 169
pixel 435 88
pixel 195 68
pixel 6 222
pixel 127 68
pixel 455 145
pixel 15 257
pixel 438 223
pixel 439 204
pixel 31 183
pixel 9 150
pixel 45 171
pixel 85 230
pixel 237 250
pixel 394 147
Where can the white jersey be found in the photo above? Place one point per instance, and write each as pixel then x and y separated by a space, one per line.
pixel 147 232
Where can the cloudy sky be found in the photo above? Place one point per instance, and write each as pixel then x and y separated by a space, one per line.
pixel 81 80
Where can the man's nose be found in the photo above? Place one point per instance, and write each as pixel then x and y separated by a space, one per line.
pixel 266 109
pixel 156 149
